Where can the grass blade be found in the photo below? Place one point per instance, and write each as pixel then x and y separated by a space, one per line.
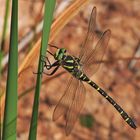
pixel 49 8
pixel 10 111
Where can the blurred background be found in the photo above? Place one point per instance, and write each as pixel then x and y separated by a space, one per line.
pixel 119 74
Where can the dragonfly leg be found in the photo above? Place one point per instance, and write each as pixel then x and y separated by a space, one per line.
pixel 45 63
pixel 39 72
pixel 49 74
pixel 48 67
pixel 53 46
pixel 55 64
pixel 50 53
pixel 42 68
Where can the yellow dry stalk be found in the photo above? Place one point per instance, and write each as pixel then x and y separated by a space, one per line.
pixel 57 25
pixel 2 99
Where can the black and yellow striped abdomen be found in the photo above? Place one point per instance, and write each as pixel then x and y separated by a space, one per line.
pixel 117 107
pixel 124 115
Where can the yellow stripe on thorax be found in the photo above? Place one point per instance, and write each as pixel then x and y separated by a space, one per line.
pixel 81 75
pixel 84 78
pixel 69 67
pixel 69 61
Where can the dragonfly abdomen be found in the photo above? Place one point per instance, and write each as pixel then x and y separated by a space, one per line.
pixel 82 76
pixel 117 107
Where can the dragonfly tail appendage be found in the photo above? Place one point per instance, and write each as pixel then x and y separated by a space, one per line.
pixel 117 107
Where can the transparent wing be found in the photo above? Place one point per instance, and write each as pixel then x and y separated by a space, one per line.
pixel 26 80
pixel 75 108
pixel 91 55
pixel 86 49
pixel 91 62
pixel 66 100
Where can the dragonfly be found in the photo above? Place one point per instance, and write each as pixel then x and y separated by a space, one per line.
pixel 81 69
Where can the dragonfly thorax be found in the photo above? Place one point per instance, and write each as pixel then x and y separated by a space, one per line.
pixel 59 54
pixel 72 64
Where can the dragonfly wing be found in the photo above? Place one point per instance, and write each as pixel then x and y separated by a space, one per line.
pixel 75 108
pixel 86 49
pixel 66 100
pixel 24 80
pixel 92 61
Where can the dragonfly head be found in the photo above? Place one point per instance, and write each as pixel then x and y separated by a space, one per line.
pixel 59 53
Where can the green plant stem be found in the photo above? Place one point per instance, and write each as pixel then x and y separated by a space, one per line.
pixel 49 8
pixel 10 111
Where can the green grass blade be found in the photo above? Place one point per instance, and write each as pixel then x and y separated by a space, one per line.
pixel 48 15
pixel 10 111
